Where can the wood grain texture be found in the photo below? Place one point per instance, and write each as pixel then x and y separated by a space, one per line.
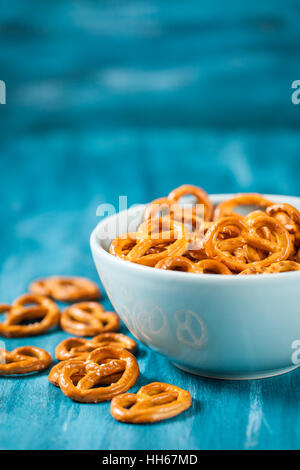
pixel 135 98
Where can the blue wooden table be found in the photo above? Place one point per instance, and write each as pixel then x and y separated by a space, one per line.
pixel 135 98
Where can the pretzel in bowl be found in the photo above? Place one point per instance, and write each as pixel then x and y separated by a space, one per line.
pixel 153 402
pixel 24 360
pixel 41 311
pixel 176 263
pixel 280 267
pixel 79 347
pixel 225 208
pixel 200 195
pixel 88 319
pixel 78 379
pixel 66 289
pixel 288 215
pixel 248 235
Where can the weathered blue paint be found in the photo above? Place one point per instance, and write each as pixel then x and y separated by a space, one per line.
pixel 133 98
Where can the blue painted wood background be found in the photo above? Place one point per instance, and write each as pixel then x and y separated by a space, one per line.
pixel 134 98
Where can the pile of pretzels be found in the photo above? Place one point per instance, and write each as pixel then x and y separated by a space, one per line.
pixel 198 238
pixel 101 368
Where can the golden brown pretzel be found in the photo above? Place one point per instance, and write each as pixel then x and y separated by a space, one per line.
pixel 283 266
pixel 153 402
pixel 163 229
pixel 101 363
pixel 221 249
pixel 288 215
pixel 122 245
pixel 178 263
pixel 25 308
pixel 139 253
pixel 77 347
pixel 225 208
pixel 88 319
pixel 200 195
pixel 207 266
pixel 279 267
pixel 24 360
pixel 56 370
pixel 66 289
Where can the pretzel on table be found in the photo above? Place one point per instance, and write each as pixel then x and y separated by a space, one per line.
pixel 88 319
pixel 102 364
pixel 24 360
pixel 153 402
pixel 29 307
pixel 78 347
pixel 66 289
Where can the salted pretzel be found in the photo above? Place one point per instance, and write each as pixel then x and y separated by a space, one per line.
pixel 288 215
pixel 80 347
pixel 163 229
pixel 200 195
pixel 279 267
pixel 122 245
pixel 56 370
pixel 41 311
pixel 283 266
pixel 24 360
pixel 66 289
pixel 88 319
pixel 153 402
pixel 212 266
pixel 227 207
pixel 101 363
pixel 221 249
pixel 176 263
pixel 139 253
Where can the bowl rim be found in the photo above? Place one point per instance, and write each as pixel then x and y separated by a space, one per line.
pixel 165 275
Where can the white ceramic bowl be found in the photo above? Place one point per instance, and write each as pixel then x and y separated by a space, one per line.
pixel 236 327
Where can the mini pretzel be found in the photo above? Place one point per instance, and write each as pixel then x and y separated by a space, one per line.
pixel 101 363
pixel 23 360
pixel 178 263
pixel 200 195
pixel 78 347
pixel 288 215
pixel 163 229
pixel 225 208
pixel 56 371
pixel 153 402
pixel 43 309
pixel 88 319
pixel 221 249
pixel 66 289
pixel 207 266
pixel 283 266
pixel 280 267
pixel 122 245
pixel 139 253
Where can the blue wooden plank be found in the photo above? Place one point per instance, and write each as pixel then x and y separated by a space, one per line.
pixel 134 98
